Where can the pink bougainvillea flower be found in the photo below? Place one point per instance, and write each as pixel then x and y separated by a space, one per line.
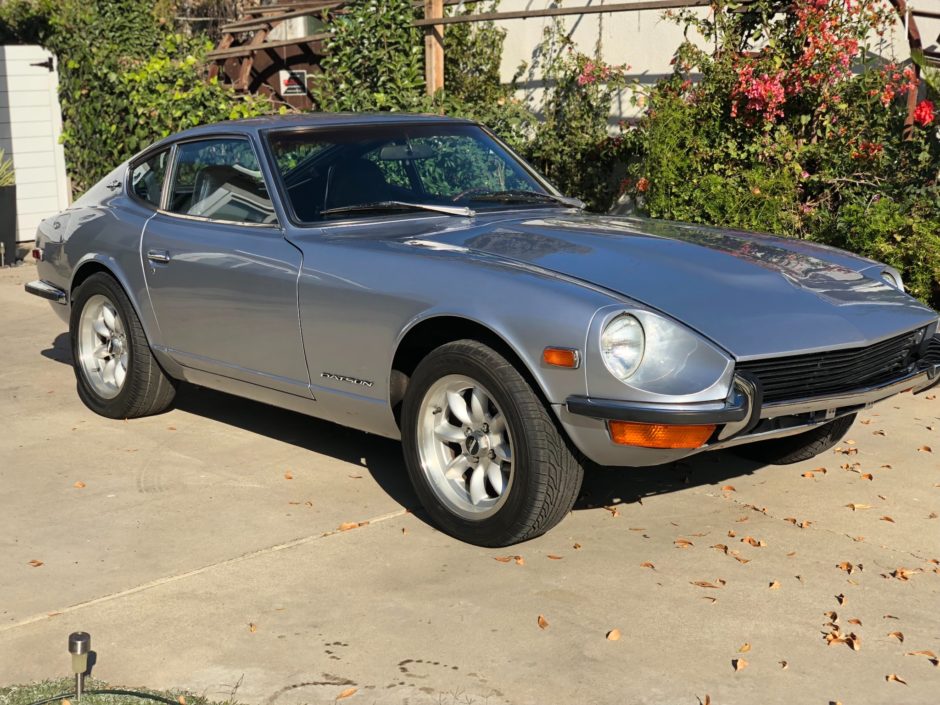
pixel 924 113
pixel 643 184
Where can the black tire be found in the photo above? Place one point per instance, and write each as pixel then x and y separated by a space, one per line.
pixel 803 446
pixel 546 472
pixel 146 389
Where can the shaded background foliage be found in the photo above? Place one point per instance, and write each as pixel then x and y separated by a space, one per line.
pixel 790 122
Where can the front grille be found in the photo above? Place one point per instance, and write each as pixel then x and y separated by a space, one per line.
pixel 833 371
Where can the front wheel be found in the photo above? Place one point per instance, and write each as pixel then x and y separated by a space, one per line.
pixel 483 453
pixel 803 446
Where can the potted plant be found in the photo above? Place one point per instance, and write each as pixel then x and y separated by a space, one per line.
pixel 7 211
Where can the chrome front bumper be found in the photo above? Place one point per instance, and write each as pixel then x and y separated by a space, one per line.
pixel 742 418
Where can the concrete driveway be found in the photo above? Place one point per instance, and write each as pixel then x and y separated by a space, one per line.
pixel 201 548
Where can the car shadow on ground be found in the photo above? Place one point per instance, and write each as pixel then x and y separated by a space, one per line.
pixel 382 458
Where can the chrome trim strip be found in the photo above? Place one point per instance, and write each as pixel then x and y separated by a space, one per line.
pixel 45 290
pixel 865 396
pixel 714 412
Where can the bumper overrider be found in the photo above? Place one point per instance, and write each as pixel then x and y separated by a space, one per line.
pixel 643 433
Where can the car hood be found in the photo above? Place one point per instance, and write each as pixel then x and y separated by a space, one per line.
pixel 755 295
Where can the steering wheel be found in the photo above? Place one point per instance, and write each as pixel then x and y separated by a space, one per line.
pixel 476 189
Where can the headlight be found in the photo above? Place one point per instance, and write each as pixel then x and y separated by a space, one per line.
pixel 622 346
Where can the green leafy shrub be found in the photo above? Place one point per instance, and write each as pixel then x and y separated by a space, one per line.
pixel 124 78
pixel 795 126
pixel 573 145
pixel 375 60
pixel 7 175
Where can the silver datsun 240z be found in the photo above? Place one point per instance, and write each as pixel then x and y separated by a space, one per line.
pixel 411 277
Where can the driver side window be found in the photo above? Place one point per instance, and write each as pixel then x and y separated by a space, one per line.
pixel 220 179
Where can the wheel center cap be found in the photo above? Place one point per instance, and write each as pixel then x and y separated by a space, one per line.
pixel 477 443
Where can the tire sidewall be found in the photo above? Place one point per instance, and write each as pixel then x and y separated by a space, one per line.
pixel 516 507
pixel 105 286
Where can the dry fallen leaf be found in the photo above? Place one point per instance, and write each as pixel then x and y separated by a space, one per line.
pixel 252 627
pixel 889 616
pixel 35 563
pixel 791 554
pixel 757 543
pixel 846 566
pixel 553 557
pixel 896 678
pixel 706 701
pixel 745 647
pixel 896 635
pixel 857 622
pixel 739 664
pixel 288 475
pixel 855 506
pixel 728 488
pixel 903 574
pixel 887 518
pixel 925 449
pixel 841 598
pixel 503 559
pixel 181 700
pixel 867 476
pixel 613 635
pixel 347 693
pixel 79 485
pixel 808 475
pixel 614 512
pixel 931 656
pixel 647 564
pixel 706 584
pixel 348 525
pixel 519 560
pixel 713 600
pixel 543 623
pixel 783 665
pixel 775 585
pixel 576 546
pixel 683 543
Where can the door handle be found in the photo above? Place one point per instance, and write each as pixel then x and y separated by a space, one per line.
pixel 158 255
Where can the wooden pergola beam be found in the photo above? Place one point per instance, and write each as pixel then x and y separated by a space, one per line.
pixel 247 50
pixel 433 47
pixel 561 11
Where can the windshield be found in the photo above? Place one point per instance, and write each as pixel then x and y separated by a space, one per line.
pixel 328 173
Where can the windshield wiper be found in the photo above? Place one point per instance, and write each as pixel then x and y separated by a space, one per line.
pixel 398 206
pixel 523 196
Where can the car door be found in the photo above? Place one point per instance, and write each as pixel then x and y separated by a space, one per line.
pixel 221 277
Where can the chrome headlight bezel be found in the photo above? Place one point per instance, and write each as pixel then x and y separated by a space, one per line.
pixel 677 365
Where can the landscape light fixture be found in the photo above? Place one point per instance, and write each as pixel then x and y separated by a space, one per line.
pixel 79 647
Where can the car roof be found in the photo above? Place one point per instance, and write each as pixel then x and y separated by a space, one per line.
pixel 310 119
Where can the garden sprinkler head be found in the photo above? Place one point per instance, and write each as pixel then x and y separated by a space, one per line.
pixel 79 647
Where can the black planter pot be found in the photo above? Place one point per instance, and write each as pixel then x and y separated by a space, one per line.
pixel 8 222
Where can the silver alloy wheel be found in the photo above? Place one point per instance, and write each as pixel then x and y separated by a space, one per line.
pixel 465 448
pixel 102 346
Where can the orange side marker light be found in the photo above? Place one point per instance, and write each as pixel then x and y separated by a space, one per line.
pixel 655 435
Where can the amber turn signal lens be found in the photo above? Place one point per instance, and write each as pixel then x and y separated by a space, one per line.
pixel 561 357
pixel 657 435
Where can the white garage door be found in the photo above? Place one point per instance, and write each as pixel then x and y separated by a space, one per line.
pixel 30 125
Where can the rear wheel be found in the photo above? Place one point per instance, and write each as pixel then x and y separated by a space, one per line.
pixel 116 373
pixel 483 453
pixel 803 446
